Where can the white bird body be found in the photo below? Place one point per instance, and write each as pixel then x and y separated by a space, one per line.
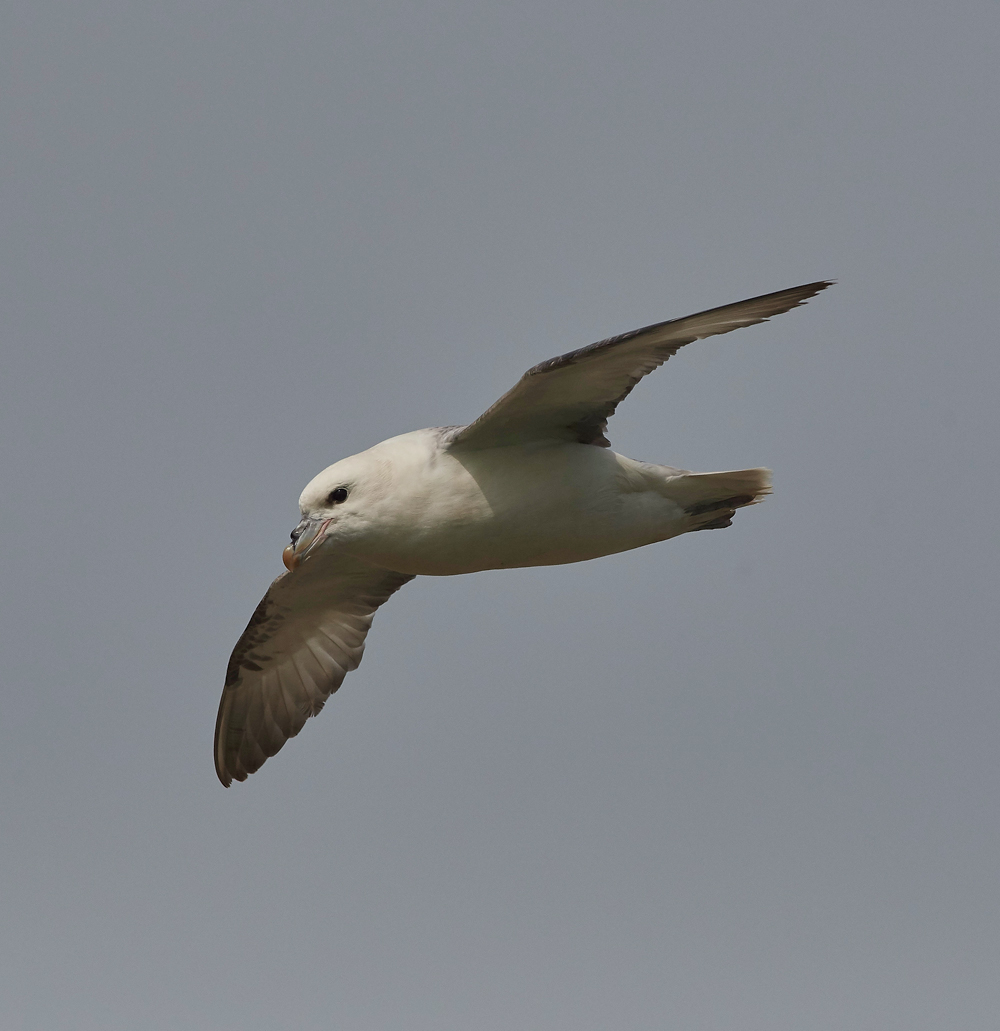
pixel 434 513
pixel 531 482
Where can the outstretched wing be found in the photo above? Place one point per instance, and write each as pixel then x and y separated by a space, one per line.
pixel 571 398
pixel 308 631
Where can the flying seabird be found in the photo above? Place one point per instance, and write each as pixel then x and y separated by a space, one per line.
pixel 532 482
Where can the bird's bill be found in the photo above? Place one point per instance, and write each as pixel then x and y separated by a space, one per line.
pixel 311 533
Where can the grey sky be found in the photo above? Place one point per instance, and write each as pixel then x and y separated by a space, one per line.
pixel 742 780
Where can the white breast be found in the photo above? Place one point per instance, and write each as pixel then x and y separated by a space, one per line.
pixel 514 506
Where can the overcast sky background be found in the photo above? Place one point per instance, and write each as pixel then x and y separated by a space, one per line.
pixel 740 781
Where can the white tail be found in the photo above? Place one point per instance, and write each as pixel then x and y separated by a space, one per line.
pixel 711 499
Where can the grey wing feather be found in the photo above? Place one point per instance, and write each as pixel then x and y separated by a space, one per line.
pixel 305 636
pixel 571 398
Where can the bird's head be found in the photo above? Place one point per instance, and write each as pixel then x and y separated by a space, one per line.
pixel 333 504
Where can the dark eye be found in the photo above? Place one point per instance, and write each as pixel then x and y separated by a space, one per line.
pixel 337 496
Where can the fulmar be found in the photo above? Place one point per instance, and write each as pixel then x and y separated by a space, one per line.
pixel 532 482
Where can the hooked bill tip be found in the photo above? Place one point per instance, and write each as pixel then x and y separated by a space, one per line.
pixel 289 557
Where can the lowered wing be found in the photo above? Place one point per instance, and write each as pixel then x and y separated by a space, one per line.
pixel 308 632
pixel 571 398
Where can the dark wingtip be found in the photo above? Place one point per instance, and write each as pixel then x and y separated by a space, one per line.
pixel 225 777
pixel 804 292
pixel 779 301
pixel 814 288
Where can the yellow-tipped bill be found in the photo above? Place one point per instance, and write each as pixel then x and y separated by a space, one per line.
pixel 305 537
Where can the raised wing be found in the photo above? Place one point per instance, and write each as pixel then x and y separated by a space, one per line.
pixel 308 632
pixel 571 398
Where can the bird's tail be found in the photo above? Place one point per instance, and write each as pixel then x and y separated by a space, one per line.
pixel 711 499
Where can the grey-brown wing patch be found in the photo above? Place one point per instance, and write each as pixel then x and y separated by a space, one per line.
pixel 305 636
pixel 250 650
pixel 571 398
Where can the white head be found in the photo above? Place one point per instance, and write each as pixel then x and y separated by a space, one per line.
pixel 339 502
